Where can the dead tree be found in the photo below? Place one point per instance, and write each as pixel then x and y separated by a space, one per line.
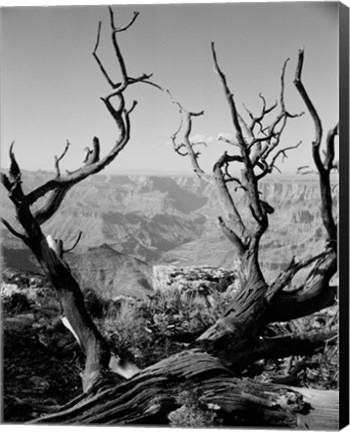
pixel 49 252
pixel 235 339
pixel 256 150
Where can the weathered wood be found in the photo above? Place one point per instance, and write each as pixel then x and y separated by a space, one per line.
pixel 235 338
pixel 150 396
pixel 91 341
pixel 325 412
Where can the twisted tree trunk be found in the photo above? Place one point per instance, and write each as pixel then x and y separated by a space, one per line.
pixel 237 338
pixel 150 396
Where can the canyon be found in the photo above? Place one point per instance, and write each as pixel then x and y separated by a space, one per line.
pixel 131 223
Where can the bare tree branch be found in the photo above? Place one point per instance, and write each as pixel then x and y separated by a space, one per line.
pixel 251 182
pixel 227 141
pixel 230 100
pixel 312 110
pixel 75 243
pixel 232 236
pixel 49 252
pixel 117 51
pixel 272 133
pixel 269 167
pixel 126 27
pixel 323 168
pixel 283 152
pixel 6 182
pixel 13 231
pixel 58 159
pixel 52 204
pixel 186 123
pixel 283 85
pixel 261 139
pixel 15 171
pixel 100 64
pixel 330 153
pixel 13 182
pixel 121 117
pixel 225 195
pixel 257 120
pixel 255 302
pixel 265 110
pixel 283 346
pixel 305 170
pixel 286 276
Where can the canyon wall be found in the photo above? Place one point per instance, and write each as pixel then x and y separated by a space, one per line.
pixel 173 220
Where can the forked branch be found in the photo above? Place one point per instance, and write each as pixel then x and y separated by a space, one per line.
pixel 13 231
pixel 100 64
pixel 61 184
pixel 284 346
pixel 312 110
pixel 250 181
pixel 287 275
pixel 13 182
pixel 323 167
pixel 49 252
pixel 59 158
pixel 185 142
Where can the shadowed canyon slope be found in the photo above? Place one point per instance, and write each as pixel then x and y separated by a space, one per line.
pixel 111 273
pixel 169 220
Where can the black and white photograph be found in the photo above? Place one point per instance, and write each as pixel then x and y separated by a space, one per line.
pixel 174 215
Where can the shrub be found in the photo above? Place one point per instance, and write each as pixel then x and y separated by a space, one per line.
pixel 147 329
pixel 94 303
pixel 16 303
pixel 194 411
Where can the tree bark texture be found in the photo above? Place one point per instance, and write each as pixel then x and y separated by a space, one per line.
pixel 150 396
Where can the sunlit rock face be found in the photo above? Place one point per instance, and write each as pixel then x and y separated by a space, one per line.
pixel 194 282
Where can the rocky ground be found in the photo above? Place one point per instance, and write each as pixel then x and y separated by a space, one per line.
pixel 42 361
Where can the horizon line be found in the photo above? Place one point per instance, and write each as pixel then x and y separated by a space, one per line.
pixel 165 173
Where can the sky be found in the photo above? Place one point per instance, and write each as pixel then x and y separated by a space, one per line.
pixel 51 85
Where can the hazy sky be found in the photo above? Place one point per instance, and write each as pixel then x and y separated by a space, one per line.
pixel 51 85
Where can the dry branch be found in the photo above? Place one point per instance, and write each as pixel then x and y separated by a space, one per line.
pixel 330 153
pixel 256 304
pixel 325 168
pixel 46 250
pixel 13 231
pixel 312 110
pixel 281 347
pixel 75 243
pixel 59 158
pixel 185 142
